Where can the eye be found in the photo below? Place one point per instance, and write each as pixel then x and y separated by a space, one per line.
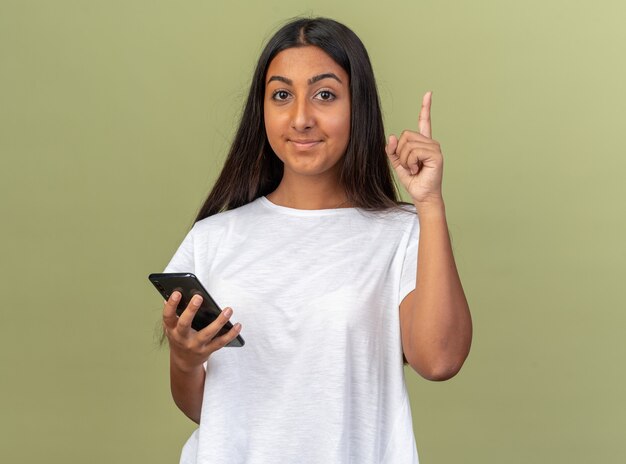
pixel 326 95
pixel 280 95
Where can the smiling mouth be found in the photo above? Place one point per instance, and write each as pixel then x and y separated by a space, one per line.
pixel 305 145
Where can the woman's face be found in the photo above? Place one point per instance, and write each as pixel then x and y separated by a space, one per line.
pixel 307 110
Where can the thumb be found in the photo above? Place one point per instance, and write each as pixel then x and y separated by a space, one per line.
pixel 394 158
pixel 391 146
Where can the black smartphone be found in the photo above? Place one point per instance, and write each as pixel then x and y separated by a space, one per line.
pixel 188 285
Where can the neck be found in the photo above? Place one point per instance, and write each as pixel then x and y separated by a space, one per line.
pixel 303 196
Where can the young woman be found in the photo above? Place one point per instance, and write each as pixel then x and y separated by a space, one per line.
pixel 304 238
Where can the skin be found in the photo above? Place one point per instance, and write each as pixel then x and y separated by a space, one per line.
pixel 435 320
pixel 189 349
pixel 296 109
pixel 436 327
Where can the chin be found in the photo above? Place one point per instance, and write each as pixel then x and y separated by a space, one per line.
pixel 310 168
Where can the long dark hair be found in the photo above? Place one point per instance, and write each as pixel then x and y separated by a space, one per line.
pixel 252 169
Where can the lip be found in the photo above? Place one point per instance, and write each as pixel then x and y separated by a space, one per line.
pixel 304 143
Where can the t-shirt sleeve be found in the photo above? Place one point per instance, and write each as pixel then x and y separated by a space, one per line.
pixel 183 259
pixel 409 264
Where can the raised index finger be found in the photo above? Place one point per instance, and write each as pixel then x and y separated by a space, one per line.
pixel 424 118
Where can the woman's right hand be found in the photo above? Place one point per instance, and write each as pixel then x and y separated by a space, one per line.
pixel 190 348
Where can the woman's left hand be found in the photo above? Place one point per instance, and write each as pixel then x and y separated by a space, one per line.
pixel 417 159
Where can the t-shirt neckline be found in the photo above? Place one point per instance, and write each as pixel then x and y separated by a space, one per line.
pixel 305 212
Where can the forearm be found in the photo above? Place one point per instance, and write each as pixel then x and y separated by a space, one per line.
pixel 440 325
pixel 187 389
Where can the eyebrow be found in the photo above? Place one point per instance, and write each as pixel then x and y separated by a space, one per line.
pixel 311 81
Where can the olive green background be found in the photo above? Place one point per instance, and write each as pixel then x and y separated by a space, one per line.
pixel 115 118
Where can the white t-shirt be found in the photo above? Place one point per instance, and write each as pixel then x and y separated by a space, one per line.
pixel 320 378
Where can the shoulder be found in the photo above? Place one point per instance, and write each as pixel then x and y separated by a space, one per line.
pixel 224 220
pixel 403 217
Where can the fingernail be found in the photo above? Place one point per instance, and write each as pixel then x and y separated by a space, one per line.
pixel 197 300
pixel 228 312
pixel 175 296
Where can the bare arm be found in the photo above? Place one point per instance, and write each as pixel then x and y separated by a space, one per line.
pixel 189 349
pixel 187 389
pixel 435 319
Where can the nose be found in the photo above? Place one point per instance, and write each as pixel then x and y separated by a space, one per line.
pixel 302 117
